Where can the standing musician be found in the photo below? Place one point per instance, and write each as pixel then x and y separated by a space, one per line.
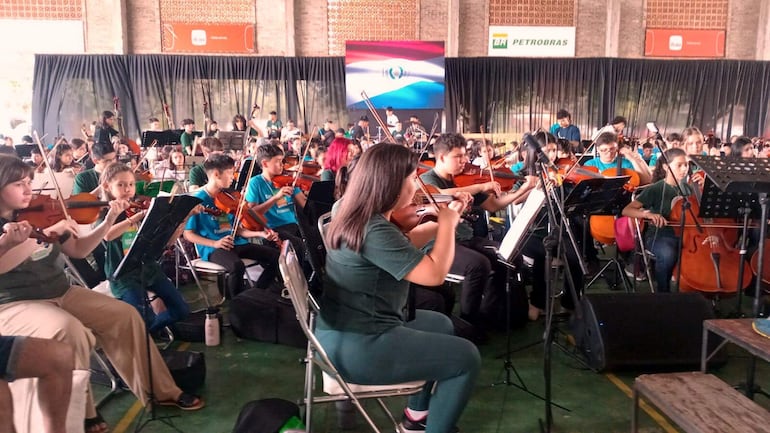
pixel 105 131
pixel 654 204
pixel 361 130
pixel 188 137
pixel 607 146
pixel 37 300
pixel 369 266
pixel 276 203
pixel 474 258
pixel 394 125
pixel 213 234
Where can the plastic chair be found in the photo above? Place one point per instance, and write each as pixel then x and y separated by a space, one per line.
pixel 337 388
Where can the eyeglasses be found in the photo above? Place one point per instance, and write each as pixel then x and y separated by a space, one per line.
pixel 608 150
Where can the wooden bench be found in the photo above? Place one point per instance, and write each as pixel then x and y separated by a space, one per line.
pixel 699 402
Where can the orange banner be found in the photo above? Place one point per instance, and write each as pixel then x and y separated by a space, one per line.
pixel 684 43
pixel 208 38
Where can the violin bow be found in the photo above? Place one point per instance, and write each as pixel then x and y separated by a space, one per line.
pixel 486 155
pixel 242 203
pixel 52 177
pixel 153 145
pixel 302 160
pixel 46 155
pixel 377 117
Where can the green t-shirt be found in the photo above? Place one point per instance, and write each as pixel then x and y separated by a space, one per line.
pixel 86 181
pixel 198 176
pixel 38 277
pixel 115 251
pixel 366 292
pixel 657 199
pixel 327 175
pixel 464 230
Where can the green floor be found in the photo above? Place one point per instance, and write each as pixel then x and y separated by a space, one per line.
pixel 239 371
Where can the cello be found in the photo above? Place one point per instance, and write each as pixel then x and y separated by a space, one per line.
pixel 710 263
pixel 603 226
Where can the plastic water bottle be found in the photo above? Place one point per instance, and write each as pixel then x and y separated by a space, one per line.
pixel 211 327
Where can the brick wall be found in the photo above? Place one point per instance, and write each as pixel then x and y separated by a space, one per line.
pixel 433 20
pixel 312 28
pixel 474 28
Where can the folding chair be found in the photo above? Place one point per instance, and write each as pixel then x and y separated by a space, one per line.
pixel 196 264
pixel 334 384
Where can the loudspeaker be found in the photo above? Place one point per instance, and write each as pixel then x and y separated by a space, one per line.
pixel 630 330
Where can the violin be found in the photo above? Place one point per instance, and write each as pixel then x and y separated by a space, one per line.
pixel 229 201
pixel 473 175
pixel 37 233
pixel 303 181
pixel 83 208
pixel 422 209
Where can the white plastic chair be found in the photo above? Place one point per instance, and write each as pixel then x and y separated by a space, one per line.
pixel 337 388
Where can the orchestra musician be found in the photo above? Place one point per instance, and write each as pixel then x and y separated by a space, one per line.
pixel 188 137
pixel 654 204
pixel 37 300
pixel 370 259
pixel 64 160
pixel 105 131
pixel 81 153
pixel 361 130
pixel 474 258
pixel 394 125
pixel 607 147
pixel 88 180
pixel 337 155
pixel 213 236
pixel 198 176
pixel 276 203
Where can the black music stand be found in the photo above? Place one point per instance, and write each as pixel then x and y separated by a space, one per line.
pixel 600 196
pixel 163 138
pixel 747 176
pixel 163 217
pixel 232 140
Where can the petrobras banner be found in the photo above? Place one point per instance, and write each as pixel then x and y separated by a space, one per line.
pixel 399 74
pixel 531 41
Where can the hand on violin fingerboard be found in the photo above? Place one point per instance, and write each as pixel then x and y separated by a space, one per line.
pixel 116 207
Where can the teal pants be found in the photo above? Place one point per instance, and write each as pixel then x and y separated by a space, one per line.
pixel 423 349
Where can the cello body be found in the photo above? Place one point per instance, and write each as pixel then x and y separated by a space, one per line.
pixel 710 261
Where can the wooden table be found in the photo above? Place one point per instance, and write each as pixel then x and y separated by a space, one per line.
pixel 742 334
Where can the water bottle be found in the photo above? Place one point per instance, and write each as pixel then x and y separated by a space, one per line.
pixel 211 327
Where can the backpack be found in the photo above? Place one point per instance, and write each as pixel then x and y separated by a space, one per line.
pixel 269 415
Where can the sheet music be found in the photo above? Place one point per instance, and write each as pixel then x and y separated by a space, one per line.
pixel 523 221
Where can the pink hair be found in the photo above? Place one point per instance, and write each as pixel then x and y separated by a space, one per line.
pixel 336 154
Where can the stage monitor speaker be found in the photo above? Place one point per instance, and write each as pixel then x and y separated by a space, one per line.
pixel 636 330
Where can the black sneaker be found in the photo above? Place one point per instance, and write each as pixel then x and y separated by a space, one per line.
pixel 409 426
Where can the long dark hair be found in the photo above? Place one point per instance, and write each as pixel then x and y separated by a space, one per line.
pixel 60 150
pixel 660 171
pixel 13 169
pixel 374 188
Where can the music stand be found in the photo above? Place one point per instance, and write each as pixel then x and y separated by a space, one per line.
pixel 24 150
pixel 163 138
pixel 743 175
pixel 600 196
pixel 232 140
pixel 164 216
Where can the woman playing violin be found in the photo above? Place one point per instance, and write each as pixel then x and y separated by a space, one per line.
pixel 213 237
pixel 36 298
pixel 64 160
pixel 118 184
pixel 654 204
pixel 369 266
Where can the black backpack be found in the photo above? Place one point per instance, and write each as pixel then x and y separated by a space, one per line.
pixel 268 415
